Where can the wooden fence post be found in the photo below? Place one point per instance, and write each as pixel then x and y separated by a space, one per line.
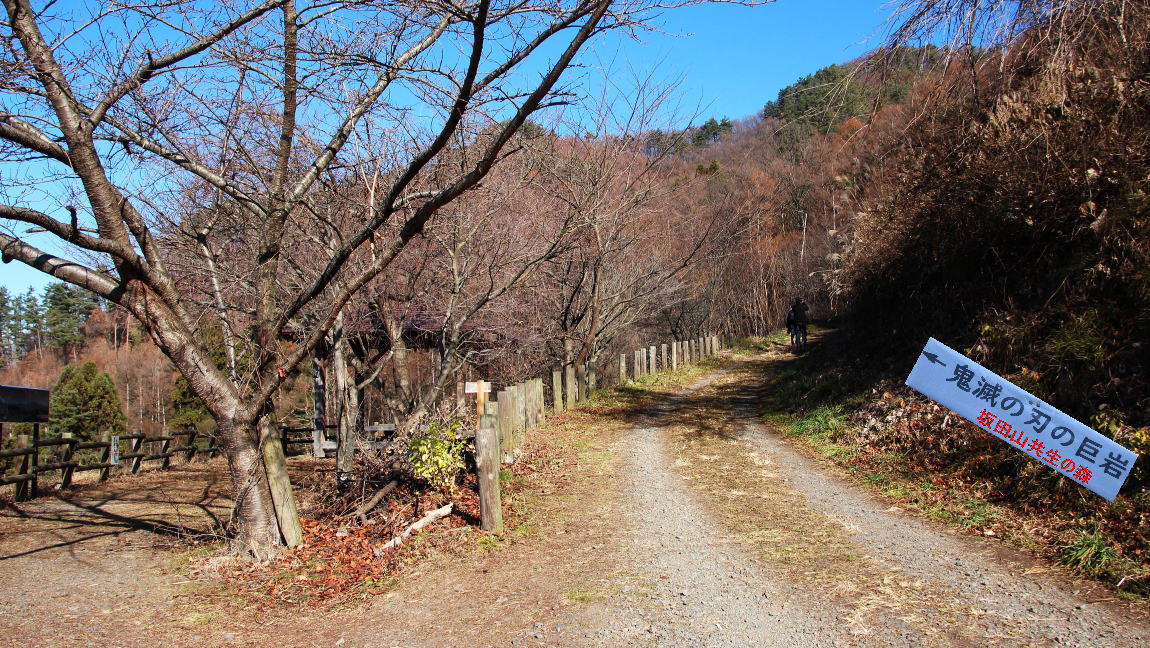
pixel 666 364
pixel 536 403
pixel 191 452
pixel 487 470
pixel 106 455
pixel 66 471
pixel 592 380
pixel 319 407
pixel 674 356
pixel 138 450
pixel 523 397
pixel 636 365
pixel 503 424
pixel 34 483
pixel 581 383
pixel 557 390
pixel 25 468
pixel 572 390
pixel 524 413
pixel 541 399
pixel 622 368
pixel 652 364
pixel 167 445
pixel 515 416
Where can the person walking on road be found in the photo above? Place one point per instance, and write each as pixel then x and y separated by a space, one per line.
pixel 797 319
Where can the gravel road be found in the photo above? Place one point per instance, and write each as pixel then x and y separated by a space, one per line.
pixel 634 552
pixel 700 587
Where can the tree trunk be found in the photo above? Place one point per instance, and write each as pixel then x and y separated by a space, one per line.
pixel 257 531
pixel 349 410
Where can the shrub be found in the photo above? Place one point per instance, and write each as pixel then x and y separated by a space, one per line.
pixel 436 455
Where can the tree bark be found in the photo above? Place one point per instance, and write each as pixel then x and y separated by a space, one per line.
pixel 350 417
pixel 257 531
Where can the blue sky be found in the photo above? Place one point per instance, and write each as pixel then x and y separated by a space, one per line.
pixel 734 58
pixel 731 59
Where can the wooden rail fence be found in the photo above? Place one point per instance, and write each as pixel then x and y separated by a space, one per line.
pixel 32 456
pixel 514 411
pixel 503 426
pixel 35 456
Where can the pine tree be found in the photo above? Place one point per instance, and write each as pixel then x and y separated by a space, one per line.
pixel 84 402
pixel 7 316
pixel 65 310
pixel 28 323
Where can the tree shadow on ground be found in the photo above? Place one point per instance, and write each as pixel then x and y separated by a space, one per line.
pixel 182 507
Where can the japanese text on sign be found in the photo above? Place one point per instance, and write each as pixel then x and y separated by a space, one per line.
pixel 1015 416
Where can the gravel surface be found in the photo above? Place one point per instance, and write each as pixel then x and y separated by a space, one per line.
pixel 692 585
pixel 1006 597
pixel 703 588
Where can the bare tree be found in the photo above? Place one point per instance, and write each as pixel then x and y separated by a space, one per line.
pixel 112 110
pixel 633 250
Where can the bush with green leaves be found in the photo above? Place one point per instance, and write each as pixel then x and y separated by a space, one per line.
pixel 84 402
pixel 436 455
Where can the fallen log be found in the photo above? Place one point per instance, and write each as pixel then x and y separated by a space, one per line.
pixel 370 504
pixel 424 521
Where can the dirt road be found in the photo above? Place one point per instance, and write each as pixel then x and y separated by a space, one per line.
pixel 688 523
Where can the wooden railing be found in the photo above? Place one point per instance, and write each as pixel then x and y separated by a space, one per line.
pixel 37 456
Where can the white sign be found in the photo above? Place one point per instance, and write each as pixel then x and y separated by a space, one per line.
pixel 473 388
pixel 114 450
pixel 1013 415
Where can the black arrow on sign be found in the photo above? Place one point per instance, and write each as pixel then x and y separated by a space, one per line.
pixel 933 357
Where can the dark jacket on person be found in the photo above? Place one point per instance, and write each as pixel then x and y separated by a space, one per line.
pixel 799 314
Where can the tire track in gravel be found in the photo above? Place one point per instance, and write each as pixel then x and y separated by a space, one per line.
pixel 698 587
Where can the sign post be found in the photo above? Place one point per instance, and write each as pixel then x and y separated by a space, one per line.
pixel 1015 416
pixel 481 389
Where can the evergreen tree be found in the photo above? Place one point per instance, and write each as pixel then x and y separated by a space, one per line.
pixel 822 100
pixel 84 402
pixel 28 323
pixel 66 308
pixel 7 318
pixel 710 132
pixel 187 409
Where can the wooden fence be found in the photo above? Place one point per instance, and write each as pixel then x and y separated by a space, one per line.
pixel 514 411
pixel 35 456
pixel 502 429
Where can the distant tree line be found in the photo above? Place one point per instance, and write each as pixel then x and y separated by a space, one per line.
pixel 29 323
